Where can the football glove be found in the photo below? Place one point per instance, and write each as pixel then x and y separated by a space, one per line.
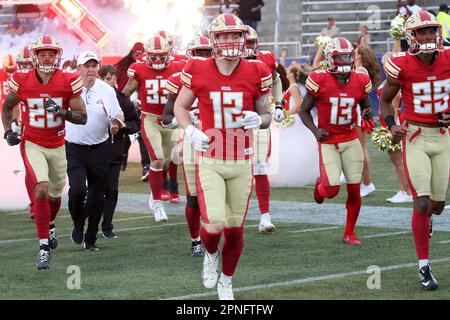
pixel 11 138
pixel 171 125
pixel 199 140
pixel 279 114
pixel 251 120
pixel 52 107
pixel 367 126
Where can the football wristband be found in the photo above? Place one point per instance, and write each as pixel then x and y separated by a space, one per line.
pixel 390 121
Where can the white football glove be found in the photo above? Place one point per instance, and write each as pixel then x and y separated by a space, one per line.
pixel 251 120
pixel 198 139
pixel 172 125
pixel 194 116
pixel 279 114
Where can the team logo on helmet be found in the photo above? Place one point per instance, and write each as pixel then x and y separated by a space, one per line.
pixel 419 20
pixel 251 43
pixel 339 55
pixel 46 43
pixel 158 52
pixel 199 43
pixel 222 24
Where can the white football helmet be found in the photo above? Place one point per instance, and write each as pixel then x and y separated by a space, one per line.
pixel 251 43
pixel 46 43
pixel 24 60
pixel 199 43
pixel 419 20
pixel 339 55
pixel 222 24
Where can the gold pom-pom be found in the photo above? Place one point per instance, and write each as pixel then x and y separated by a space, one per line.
pixel 288 119
pixel 397 30
pixel 382 140
pixel 321 41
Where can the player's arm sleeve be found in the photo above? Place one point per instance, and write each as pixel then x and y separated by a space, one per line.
pixel 313 84
pixel 277 88
pixel 394 67
pixel 187 75
pixel 76 85
pixel 265 77
pixel 14 83
pixel 172 85
pixel 367 84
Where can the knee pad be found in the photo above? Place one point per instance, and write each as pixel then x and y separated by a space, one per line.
pixel 260 169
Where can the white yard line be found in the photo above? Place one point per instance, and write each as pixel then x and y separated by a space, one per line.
pixel 117 230
pixel 444 242
pixel 305 280
pixel 315 229
pixel 379 235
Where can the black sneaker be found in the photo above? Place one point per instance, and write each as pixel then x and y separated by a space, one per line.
pixel 145 173
pixel 427 279
pixel 124 162
pixel 77 235
pixel 109 234
pixel 431 225
pixel 90 247
pixel 197 249
pixel 44 257
pixel 52 237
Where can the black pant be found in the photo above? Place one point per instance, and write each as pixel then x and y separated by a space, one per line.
pixel 145 158
pixel 111 195
pixel 87 165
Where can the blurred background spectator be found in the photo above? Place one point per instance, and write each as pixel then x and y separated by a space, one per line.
pixel 444 19
pixel 331 30
pixel 410 8
pixel 364 36
pixel 250 12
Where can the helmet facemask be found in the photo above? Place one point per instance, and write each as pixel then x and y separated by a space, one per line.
pixel 41 66
pixel 417 47
pixel 251 48
pixel 228 49
pixel 342 62
pixel 158 61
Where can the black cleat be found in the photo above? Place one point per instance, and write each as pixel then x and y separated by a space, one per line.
pixel 197 249
pixel 77 235
pixel 109 234
pixel 44 257
pixel 427 279
pixel 90 247
pixel 145 173
pixel 52 237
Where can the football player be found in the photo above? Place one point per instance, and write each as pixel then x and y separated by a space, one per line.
pixel 9 66
pixel 336 92
pixel 262 137
pixel 150 80
pixel 169 38
pixel 49 97
pixel 199 47
pixel 233 99
pixel 24 60
pixel 423 76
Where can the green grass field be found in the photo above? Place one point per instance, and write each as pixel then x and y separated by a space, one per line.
pixel 152 261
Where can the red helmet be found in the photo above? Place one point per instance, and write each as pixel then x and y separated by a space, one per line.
pixel 339 55
pixel 158 52
pixel 223 24
pixel 46 43
pixel 251 43
pixel 198 43
pixel 9 63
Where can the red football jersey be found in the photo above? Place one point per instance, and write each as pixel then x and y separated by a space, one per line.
pixel 179 57
pixel 221 100
pixel 174 84
pixel 152 84
pixel 38 126
pixel 336 103
pixel 4 89
pixel 269 59
pixel 424 90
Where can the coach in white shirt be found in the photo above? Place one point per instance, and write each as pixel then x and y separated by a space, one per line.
pixel 87 151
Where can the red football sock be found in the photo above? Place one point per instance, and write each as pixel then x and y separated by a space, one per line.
pixel 353 207
pixel 262 187
pixel 155 179
pixel 210 240
pixel 41 217
pixel 421 233
pixel 193 221
pixel 173 169
pixel 54 205
pixel 232 249
pixel 328 192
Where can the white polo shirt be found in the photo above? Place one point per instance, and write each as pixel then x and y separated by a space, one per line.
pixel 101 107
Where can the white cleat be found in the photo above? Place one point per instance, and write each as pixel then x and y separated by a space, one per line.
pixel 265 226
pixel 366 190
pixel 401 197
pixel 225 290
pixel 159 212
pixel 210 272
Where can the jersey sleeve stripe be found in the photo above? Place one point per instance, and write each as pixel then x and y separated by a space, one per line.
pixel 172 88
pixel 76 80
pixel 77 86
pixel 391 71
pixel 394 65
pixel 266 84
pixel 186 79
pixel 369 87
pixel 266 78
pixel 131 73
pixel 12 85
pixel 312 86
pixel 313 82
